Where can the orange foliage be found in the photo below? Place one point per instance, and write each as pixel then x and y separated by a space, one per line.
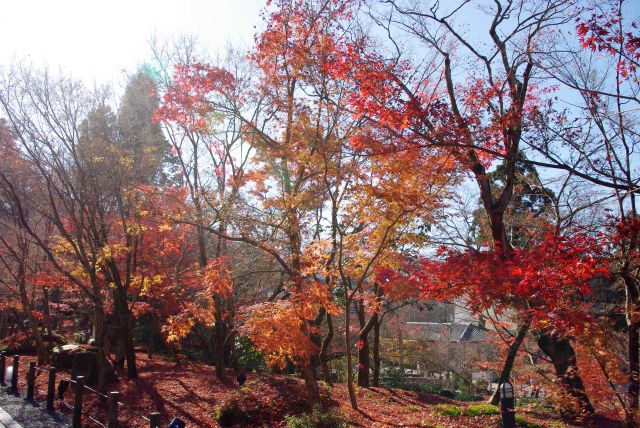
pixel 279 329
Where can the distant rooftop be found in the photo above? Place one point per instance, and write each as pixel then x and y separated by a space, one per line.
pixel 451 332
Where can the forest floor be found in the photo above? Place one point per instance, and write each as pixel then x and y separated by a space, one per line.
pixel 191 392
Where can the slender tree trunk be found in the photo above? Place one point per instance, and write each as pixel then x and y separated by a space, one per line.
pixel 505 374
pixel 41 349
pixel 3 323
pixel 363 362
pixel 231 354
pixel 326 343
pixel 363 348
pixel 125 350
pixel 400 350
pixel 376 352
pixel 102 342
pixel 220 338
pixel 118 320
pixel 120 351
pixel 633 345
pixel 309 376
pixel 295 244
pixel 563 357
pixel 27 307
pixel 316 339
pixel 347 345
pixel 47 313
pixel 130 350
pixel 634 368
pixel 152 335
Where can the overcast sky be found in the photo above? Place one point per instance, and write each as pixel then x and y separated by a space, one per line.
pixel 95 40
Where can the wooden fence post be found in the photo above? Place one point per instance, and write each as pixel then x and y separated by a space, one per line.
pixel 77 402
pixel 51 388
pixel 3 366
pixel 31 380
pixel 113 409
pixel 14 375
pixel 154 420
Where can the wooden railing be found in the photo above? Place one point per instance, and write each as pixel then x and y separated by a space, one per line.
pixel 79 387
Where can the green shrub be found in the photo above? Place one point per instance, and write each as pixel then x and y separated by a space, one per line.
pixel 230 414
pixel 316 419
pixel 452 411
pixel 471 411
pixel 393 377
pixel 526 423
pixel 463 390
pixel 430 388
pixel 480 410
pixel 248 356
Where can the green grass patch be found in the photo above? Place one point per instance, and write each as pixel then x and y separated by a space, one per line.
pixel 447 410
pixel 412 408
pixel 480 410
pixel 470 411
pixel 526 423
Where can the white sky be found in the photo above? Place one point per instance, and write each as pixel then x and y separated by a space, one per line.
pixel 95 40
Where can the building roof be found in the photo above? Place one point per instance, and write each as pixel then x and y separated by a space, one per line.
pixel 453 332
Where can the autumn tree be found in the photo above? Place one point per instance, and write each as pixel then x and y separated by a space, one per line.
pixel 478 117
pixel 295 126
pixel 20 259
pixel 597 142
pixel 89 184
pixel 212 148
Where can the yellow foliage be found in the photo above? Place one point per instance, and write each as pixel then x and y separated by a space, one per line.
pixel 177 327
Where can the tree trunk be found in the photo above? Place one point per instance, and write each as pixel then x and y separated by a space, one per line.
pixel 633 337
pixel 563 357
pixel 309 376
pixel 221 335
pixel 3 323
pixel 363 362
pixel 118 319
pixel 363 348
pixel 511 357
pixel 130 350
pixel 47 314
pixel 633 334
pixel 41 349
pixel 102 342
pixel 347 345
pixel 152 334
pixel 376 352
pixel 125 350
pixel 27 307
pixel 316 339
pixel 230 353
pixel 400 350
pixel 326 343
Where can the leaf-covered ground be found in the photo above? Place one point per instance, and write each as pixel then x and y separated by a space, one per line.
pixel 191 392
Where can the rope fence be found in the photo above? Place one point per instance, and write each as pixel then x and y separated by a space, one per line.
pixel 114 406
